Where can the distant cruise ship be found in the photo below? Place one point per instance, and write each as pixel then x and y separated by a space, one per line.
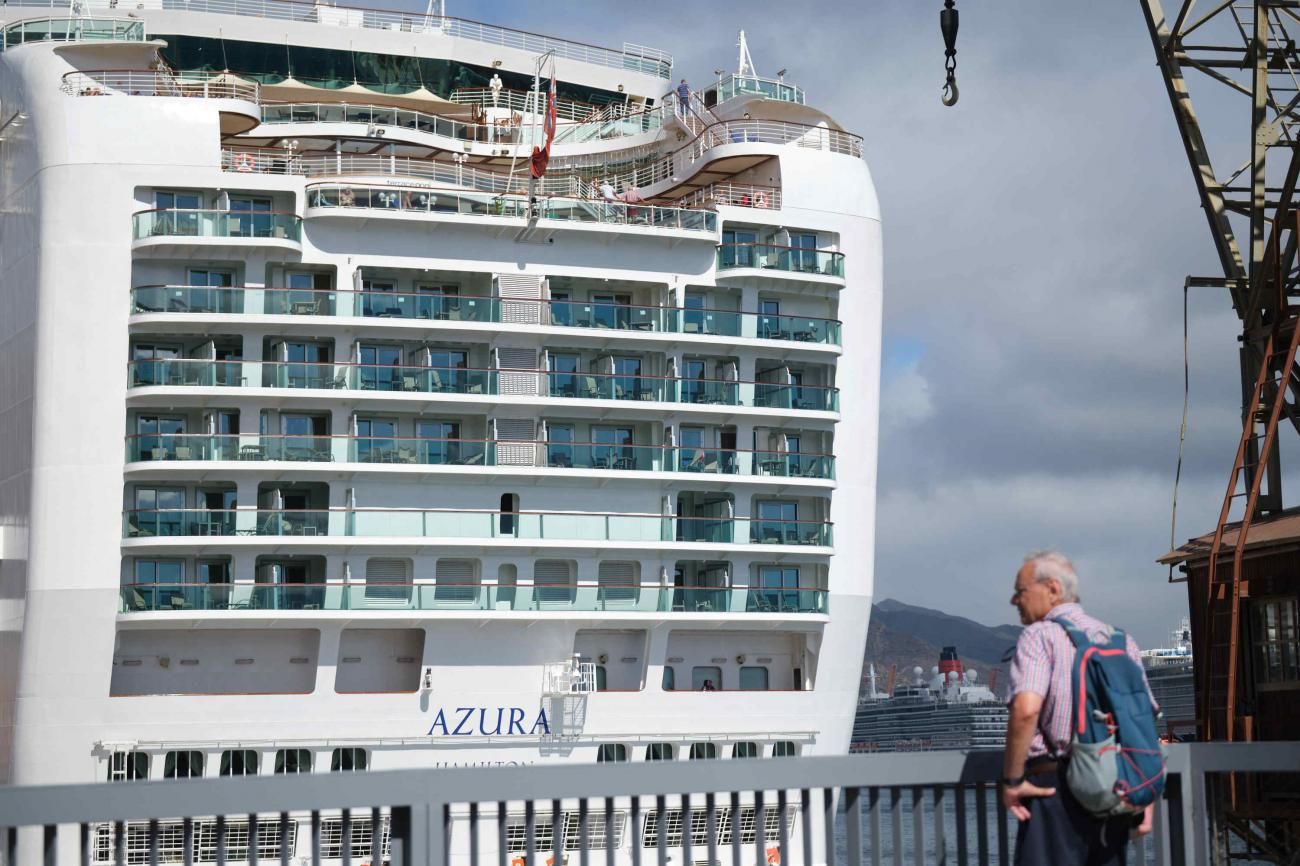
pixel 334 440
pixel 947 711
pixel 1169 673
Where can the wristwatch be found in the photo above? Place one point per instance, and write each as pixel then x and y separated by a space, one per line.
pixel 1008 782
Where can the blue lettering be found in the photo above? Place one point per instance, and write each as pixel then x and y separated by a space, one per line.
pixel 541 723
pixel 516 720
pixel 464 719
pixel 482 721
pixel 438 721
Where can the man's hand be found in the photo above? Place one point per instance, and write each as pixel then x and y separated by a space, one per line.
pixel 1145 827
pixel 1014 798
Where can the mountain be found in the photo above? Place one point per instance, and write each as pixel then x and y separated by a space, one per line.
pixel 907 636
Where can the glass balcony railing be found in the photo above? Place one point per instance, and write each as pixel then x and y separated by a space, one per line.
pixel 422 305
pixel 802 329
pixel 300 302
pixel 485 204
pixel 187 299
pixel 192 372
pixel 719 392
pixel 297 449
pixel 592 455
pixel 610 386
pixel 146 447
pixel 303 374
pixel 771 257
pixel 423 452
pixel 709 530
pixel 815 398
pixel 622 317
pixel 709 461
pixel 752 85
pixel 194 521
pixel 321 596
pixel 216 224
pixel 428 380
pixel 71 30
pixel 164 447
pixel 793 464
pixel 789 532
pixel 171 522
pixel 478 308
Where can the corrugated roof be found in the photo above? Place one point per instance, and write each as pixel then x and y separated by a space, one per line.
pixel 1264 531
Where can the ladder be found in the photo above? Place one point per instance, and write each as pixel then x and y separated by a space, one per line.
pixel 1223 592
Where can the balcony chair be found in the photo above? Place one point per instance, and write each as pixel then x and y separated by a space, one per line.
pixel 183 452
pixel 435 382
pixel 589 389
pixel 135 601
pixel 410 383
pixel 158 453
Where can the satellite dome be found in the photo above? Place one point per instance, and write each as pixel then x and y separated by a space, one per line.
pixel 972 676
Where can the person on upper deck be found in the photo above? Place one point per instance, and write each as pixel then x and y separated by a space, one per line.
pixel 683 97
pixel 1054 828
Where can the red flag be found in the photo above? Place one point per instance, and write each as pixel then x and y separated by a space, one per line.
pixel 542 155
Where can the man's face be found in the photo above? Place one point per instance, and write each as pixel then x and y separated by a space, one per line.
pixel 1032 598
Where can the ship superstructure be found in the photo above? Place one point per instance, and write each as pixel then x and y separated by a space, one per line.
pixel 1169 673
pixel 949 710
pixel 333 442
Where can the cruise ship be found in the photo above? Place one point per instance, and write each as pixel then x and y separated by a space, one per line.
pixel 950 710
pixel 387 389
pixel 1170 675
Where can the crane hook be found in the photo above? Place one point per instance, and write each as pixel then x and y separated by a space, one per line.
pixel 950 92
pixel 948 25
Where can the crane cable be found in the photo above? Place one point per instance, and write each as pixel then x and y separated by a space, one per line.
pixel 1182 437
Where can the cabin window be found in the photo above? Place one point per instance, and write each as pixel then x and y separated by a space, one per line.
pixel 706 678
pixel 611 752
pixel 703 751
pixel 753 679
pixel 659 752
pixel 292 761
pixel 128 766
pixel 744 750
pixel 183 765
pixel 784 749
pixel 348 760
pixel 669 678
pixel 239 762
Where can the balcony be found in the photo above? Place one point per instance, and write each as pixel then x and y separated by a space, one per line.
pixel 568 598
pixel 477 382
pixel 477 525
pixel 769 257
pixel 71 30
pixel 423 201
pixel 143 82
pixel 164 448
pixel 215 227
pixel 185 372
pixel 430 306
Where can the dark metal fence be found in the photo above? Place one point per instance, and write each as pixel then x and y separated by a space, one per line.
pixel 940 808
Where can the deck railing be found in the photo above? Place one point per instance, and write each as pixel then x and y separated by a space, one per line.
pixel 164 448
pixel 203 223
pixel 559 598
pixel 933 807
pixel 140 82
pixel 71 30
pixel 632 57
pixel 481 524
pixel 435 306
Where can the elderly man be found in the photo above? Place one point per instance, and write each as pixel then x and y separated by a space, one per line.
pixel 1054 828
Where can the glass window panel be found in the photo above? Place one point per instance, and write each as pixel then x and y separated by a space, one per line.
pixel 706 678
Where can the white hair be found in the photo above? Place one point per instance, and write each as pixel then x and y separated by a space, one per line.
pixel 1054 565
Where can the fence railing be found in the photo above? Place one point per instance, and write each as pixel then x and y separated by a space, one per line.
pixel 71 30
pixel 936 807
pixel 134 82
pixel 632 57
pixel 562 598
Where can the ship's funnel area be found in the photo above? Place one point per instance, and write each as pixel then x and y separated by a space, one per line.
pixel 950 663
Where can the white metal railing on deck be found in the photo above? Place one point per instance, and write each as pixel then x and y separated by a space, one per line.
pixel 635 58
pixel 131 82
pixel 678 164
pixel 733 194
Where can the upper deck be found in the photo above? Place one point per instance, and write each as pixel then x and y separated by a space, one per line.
pixel 641 69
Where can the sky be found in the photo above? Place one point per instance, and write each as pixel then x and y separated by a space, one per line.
pixel 1036 239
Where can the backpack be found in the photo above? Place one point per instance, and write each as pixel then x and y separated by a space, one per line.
pixel 1117 766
